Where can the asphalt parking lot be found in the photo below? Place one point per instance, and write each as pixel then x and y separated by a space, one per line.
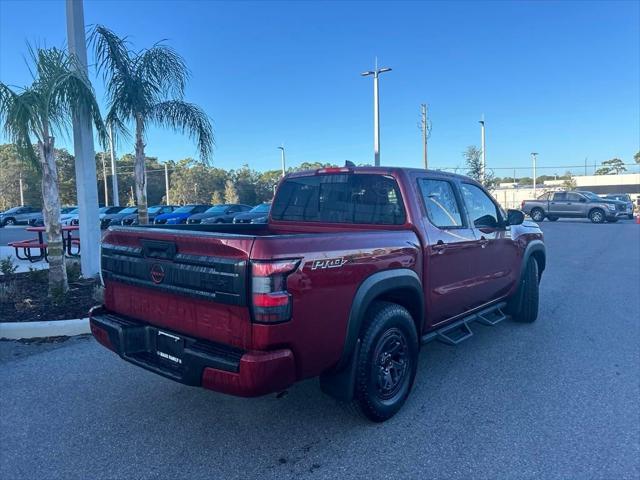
pixel 555 399
pixel 14 234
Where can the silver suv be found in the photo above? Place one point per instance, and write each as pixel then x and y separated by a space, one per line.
pixel 578 204
pixel 18 215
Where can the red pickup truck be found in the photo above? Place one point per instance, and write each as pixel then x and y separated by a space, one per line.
pixel 356 268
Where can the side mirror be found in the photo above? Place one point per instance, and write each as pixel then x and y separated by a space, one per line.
pixel 514 217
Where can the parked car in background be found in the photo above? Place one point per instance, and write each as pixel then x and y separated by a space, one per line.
pixel 69 215
pixel 19 216
pixel 180 215
pixel 107 219
pixel 622 197
pixel 153 212
pixel 70 218
pixel 574 204
pixel 258 212
pixel 109 210
pixel 219 214
pixel 37 220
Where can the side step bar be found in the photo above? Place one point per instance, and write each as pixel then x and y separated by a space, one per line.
pixel 460 330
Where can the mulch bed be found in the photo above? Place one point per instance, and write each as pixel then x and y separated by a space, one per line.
pixel 23 298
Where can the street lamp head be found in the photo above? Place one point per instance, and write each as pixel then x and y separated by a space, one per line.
pixel 481 122
pixel 366 74
pixel 281 148
pixel 385 69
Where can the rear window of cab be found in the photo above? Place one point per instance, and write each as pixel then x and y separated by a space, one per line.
pixel 340 198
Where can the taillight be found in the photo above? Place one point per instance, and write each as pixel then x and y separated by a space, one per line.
pixel 271 301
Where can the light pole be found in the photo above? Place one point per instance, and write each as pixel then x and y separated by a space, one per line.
pixel 166 182
pixel 104 179
pixel 424 127
pixel 376 111
pixel 534 157
pixel 114 177
pixel 21 190
pixel 482 166
pixel 85 162
pixel 281 148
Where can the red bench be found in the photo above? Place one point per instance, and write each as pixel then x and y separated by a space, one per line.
pixel 26 246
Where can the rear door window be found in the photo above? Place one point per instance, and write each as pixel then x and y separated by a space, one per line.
pixel 573 197
pixel 440 203
pixel 340 198
pixel 560 197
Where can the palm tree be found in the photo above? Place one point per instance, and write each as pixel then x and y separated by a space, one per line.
pixel 143 88
pixel 38 111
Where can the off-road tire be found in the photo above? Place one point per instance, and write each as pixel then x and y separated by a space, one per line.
pixel 528 293
pixel 388 328
pixel 537 214
pixel 553 219
pixel 597 215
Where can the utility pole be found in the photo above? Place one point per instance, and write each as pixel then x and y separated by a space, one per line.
pixel 424 126
pixel 534 158
pixel 376 111
pixel 166 182
pixel 104 178
pixel 114 177
pixel 281 148
pixel 21 190
pixel 85 160
pixel 484 158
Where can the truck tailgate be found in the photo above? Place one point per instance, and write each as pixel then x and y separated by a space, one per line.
pixel 193 283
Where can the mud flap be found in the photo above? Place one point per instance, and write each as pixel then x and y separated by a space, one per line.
pixel 340 385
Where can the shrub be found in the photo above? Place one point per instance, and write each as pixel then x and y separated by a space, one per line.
pixel 7 267
pixel 74 271
pixel 8 291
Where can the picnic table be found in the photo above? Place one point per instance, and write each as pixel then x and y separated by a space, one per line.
pixel 69 243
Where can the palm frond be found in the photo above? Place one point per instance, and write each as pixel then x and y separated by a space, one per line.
pixel 117 127
pixel 164 71
pixel 186 118
pixel 112 52
pixel 60 89
pixel 18 120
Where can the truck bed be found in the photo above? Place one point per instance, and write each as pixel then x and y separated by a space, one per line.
pixel 196 280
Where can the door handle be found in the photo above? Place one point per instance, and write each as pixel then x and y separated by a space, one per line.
pixel 483 241
pixel 439 246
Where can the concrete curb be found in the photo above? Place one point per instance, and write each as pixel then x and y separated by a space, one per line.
pixel 52 328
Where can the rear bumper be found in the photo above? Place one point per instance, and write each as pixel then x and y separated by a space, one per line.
pixel 205 364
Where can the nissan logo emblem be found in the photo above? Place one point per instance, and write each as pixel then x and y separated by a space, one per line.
pixel 157 273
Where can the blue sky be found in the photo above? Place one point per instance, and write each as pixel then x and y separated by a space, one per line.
pixel 559 78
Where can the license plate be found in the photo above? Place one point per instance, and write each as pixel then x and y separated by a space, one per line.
pixel 169 347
